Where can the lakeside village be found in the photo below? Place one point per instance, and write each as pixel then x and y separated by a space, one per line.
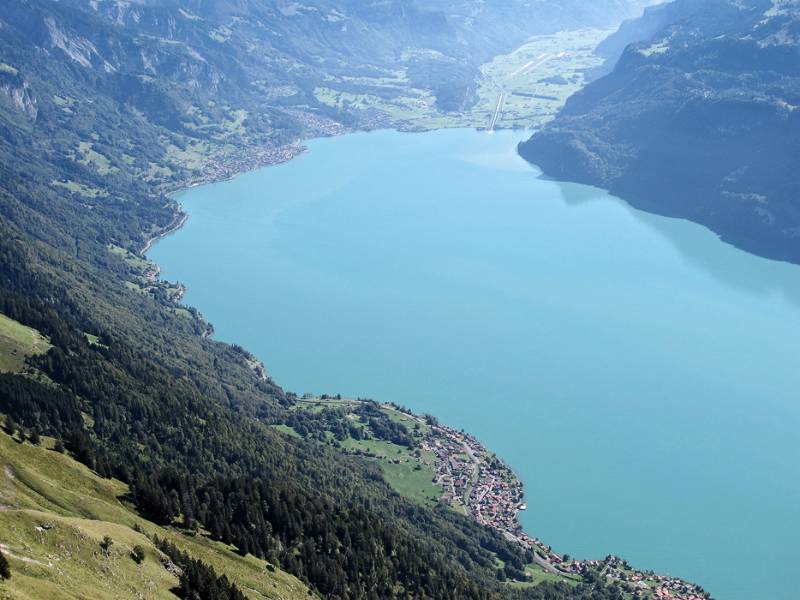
pixel 477 482
pixel 231 162
pixel 241 161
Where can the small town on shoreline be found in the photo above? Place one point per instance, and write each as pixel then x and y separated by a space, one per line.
pixel 230 162
pixel 488 490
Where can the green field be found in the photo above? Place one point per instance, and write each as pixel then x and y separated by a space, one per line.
pixel 18 342
pixel 400 470
pixel 286 429
pixel 538 77
pixel 535 79
pixel 539 575
pixel 81 189
pixel 91 158
pixel 137 263
pixel 6 68
pixel 41 487
pixel 408 474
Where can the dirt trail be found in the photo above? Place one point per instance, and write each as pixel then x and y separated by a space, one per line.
pixel 25 559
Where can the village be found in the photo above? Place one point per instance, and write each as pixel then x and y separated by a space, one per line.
pixel 241 161
pixel 473 479
pixel 231 161
pixel 478 483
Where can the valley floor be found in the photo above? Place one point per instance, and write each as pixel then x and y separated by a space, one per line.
pixel 523 89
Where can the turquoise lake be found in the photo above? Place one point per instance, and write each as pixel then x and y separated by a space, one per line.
pixel 641 376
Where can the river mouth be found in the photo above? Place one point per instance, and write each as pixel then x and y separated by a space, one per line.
pixel 636 372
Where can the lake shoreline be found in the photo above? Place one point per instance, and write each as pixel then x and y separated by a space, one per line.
pixel 179 220
pixel 545 557
pixel 490 492
pixel 656 201
pixel 232 166
pixel 227 169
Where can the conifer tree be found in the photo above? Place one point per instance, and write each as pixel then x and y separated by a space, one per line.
pixel 5 569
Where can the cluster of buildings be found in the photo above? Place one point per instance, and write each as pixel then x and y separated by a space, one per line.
pixel 487 489
pixel 676 589
pixel 243 161
pixel 232 162
pixel 640 584
pixel 473 479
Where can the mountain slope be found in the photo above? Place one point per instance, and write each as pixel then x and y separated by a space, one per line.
pixel 63 559
pixel 697 121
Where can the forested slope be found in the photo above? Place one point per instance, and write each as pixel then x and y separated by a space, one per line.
pixel 56 513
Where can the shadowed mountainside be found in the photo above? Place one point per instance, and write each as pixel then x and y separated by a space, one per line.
pixel 698 120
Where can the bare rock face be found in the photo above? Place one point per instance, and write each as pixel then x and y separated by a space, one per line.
pixel 79 49
pixel 17 93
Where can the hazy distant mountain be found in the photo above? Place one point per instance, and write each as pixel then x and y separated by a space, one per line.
pixel 642 28
pixel 239 73
pixel 698 119
pixel 257 50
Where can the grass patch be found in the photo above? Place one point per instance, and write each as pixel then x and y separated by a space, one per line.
pixel 92 158
pixel 409 471
pixel 94 340
pixel 158 172
pixel 137 263
pixel 81 189
pixel 193 158
pixel 408 475
pixel 539 575
pixel 135 287
pixel 182 312
pixel 6 68
pixel 63 101
pixel 17 342
pixel 411 482
pixel 286 429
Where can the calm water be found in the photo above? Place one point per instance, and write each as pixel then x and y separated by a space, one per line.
pixel 639 375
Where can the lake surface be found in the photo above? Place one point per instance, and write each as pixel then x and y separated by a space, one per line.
pixel 641 376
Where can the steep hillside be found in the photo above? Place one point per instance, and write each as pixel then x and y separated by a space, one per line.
pixel 54 513
pixel 698 121
pixel 642 28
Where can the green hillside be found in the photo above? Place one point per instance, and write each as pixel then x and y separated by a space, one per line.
pixel 17 342
pixel 54 512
